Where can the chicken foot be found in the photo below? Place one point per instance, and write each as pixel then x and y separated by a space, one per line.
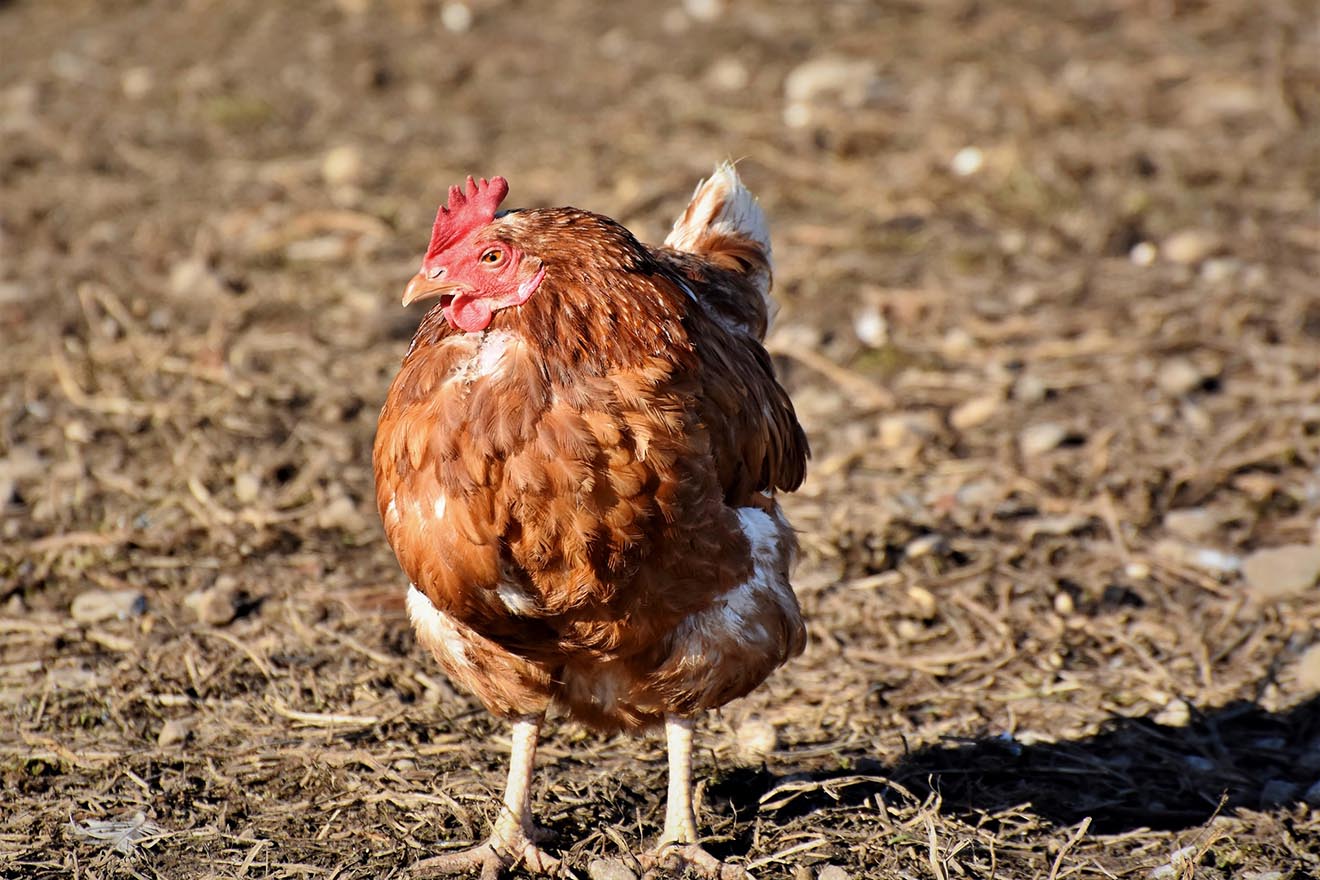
pixel 513 839
pixel 678 848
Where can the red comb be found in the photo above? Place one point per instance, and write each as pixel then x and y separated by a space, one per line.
pixel 466 211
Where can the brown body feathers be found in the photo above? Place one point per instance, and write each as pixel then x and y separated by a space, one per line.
pixel 582 494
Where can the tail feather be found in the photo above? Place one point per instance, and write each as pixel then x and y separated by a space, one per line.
pixel 724 224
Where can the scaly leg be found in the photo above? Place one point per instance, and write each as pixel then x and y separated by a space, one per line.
pixel 511 841
pixel 678 847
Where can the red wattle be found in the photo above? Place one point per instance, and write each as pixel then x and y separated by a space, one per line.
pixel 469 314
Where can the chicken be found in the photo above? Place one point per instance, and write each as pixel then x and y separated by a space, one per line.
pixel 576 467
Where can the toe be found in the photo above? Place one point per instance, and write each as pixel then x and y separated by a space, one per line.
pixel 691 857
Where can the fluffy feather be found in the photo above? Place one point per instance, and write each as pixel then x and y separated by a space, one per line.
pixel 583 491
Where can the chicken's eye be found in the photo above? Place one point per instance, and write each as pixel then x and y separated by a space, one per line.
pixel 493 257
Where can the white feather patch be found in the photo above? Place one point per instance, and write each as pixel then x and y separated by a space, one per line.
pixel 515 598
pixel 487 358
pixel 435 629
pixel 734 614
pixel 721 203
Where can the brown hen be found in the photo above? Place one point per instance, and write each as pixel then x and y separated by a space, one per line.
pixel 576 467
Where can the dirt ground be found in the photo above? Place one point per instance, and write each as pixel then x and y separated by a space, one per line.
pixel 1050 315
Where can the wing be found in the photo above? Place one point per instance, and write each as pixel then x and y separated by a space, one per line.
pixel 756 440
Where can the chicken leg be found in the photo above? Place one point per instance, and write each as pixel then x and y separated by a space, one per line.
pixel 678 848
pixel 512 840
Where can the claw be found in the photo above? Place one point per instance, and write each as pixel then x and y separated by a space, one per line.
pixel 676 857
pixel 493 857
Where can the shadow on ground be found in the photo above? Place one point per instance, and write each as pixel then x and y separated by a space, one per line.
pixel 1136 773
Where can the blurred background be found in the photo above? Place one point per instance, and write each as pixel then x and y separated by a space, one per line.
pixel 1049 314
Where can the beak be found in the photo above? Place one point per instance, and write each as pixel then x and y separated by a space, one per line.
pixel 420 287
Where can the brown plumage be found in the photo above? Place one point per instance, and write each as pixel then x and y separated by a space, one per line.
pixel 576 467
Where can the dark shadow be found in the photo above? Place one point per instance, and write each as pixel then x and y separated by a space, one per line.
pixel 1135 773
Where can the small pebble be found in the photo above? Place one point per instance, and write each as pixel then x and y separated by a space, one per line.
pixel 925 545
pixel 967 161
pixel 456 18
pixel 1178 376
pixel 1188 247
pixel 1191 523
pixel 1041 438
pixel 216 606
pixel 957 342
pixel 95 606
pixel 1030 389
pixel 1206 558
pixel 1064 605
pixel 609 869
pixel 704 10
pixel 1220 269
pixel 1137 570
pixel 342 165
pixel 728 75
pixel 1307 669
pixel 76 431
pixel 173 732
pixel 1175 714
pixel 192 277
pixel 927 605
pixel 976 411
pixel 871 327
pixel 1282 571
pixel 137 83
pixel 247 486
pixel 832 872
pixel 1143 253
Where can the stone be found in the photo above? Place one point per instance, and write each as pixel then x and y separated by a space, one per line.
pixel 1276 572
pixel 609 869
pixel 1030 389
pixel 217 605
pixel 1191 523
pixel 1143 254
pixel 456 17
pixel 1307 669
pixel 832 872
pixel 967 161
pixel 977 411
pixel 342 165
pixel 97 606
pixel 1176 713
pixel 193 277
pixel 1178 376
pixel 173 732
pixel 728 75
pixel 247 487
pixel 1039 439
pixel 704 10
pixel 1188 247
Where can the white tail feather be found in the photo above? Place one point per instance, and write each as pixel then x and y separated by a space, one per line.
pixel 724 224
pixel 720 203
